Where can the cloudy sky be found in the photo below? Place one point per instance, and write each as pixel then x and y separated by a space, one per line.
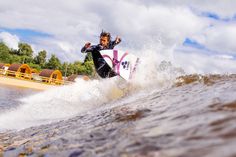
pixel 198 36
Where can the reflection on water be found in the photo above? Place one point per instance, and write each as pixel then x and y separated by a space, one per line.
pixel 9 96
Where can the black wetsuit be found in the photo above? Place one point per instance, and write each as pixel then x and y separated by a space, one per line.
pixel 102 68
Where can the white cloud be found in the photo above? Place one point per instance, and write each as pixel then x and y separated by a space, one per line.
pixel 67 47
pixel 225 57
pixel 225 9
pixel 140 23
pixel 204 64
pixel 10 40
pixel 220 38
pixel 82 20
pixel 64 50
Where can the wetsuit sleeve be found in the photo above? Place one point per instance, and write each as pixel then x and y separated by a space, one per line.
pixel 114 43
pixel 89 49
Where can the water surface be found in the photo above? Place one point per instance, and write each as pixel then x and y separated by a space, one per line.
pixel 10 95
pixel 194 117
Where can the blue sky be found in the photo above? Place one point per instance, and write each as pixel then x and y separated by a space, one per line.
pixel 26 35
pixel 189 42
pixel 195 29
pixel 215 16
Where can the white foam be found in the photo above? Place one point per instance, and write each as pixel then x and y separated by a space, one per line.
pixel 155 68
pixel 83 96
pixel 60 103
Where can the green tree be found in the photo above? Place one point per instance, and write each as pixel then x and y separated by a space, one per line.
pixel 24 54
pixel 88 57
pixel 41 58
pixel 13 51
pixel 14 59
pixel 89 66
pixel 86 68
pixel 68 69
pixel 4 53
pixel 35 66
pixel 25 50
pixel 64 69
pixel 71 69
pixel 81 70
pixel 53 63
pixel 26 59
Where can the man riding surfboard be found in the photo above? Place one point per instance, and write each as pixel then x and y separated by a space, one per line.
pixel 102 68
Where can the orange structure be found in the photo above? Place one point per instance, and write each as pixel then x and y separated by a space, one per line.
pixel 51 76
pixel 72 77
pixel 2 65
pixel 35 71
pixel 3 68
pixel 19 71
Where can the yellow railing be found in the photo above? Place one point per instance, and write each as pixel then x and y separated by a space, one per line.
pixel 2 72
pixel 33 77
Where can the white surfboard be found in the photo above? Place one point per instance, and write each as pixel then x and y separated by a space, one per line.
pixel 123 63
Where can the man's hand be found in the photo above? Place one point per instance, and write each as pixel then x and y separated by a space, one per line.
pixel 117 40
pixel 87 45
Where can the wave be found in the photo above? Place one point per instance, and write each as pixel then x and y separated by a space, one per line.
pixel 208 79
pixel 61 102
pixel 86 96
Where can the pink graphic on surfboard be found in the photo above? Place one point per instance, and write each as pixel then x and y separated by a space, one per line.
pixel 122 63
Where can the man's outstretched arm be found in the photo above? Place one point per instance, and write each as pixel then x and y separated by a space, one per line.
pixel 87 48
pixel 116 42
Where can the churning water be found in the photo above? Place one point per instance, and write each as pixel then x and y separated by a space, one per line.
pixel 160 113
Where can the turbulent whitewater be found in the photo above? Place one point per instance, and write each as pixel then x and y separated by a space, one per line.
pixel 163 112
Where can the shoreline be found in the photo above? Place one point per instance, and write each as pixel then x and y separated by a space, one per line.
pixel 24 83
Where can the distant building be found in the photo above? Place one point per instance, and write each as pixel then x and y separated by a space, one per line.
pixel 19 71
pixel 74 76
pixel 48 76
pixel 3 68
pixel 51 76
pixel 34 71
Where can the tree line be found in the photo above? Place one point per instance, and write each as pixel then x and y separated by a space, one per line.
pixel 24 55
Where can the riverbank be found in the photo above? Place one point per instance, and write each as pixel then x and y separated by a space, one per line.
pixel 24 83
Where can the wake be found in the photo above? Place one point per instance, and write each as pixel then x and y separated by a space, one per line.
pixel 64 102
pixel 61 102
